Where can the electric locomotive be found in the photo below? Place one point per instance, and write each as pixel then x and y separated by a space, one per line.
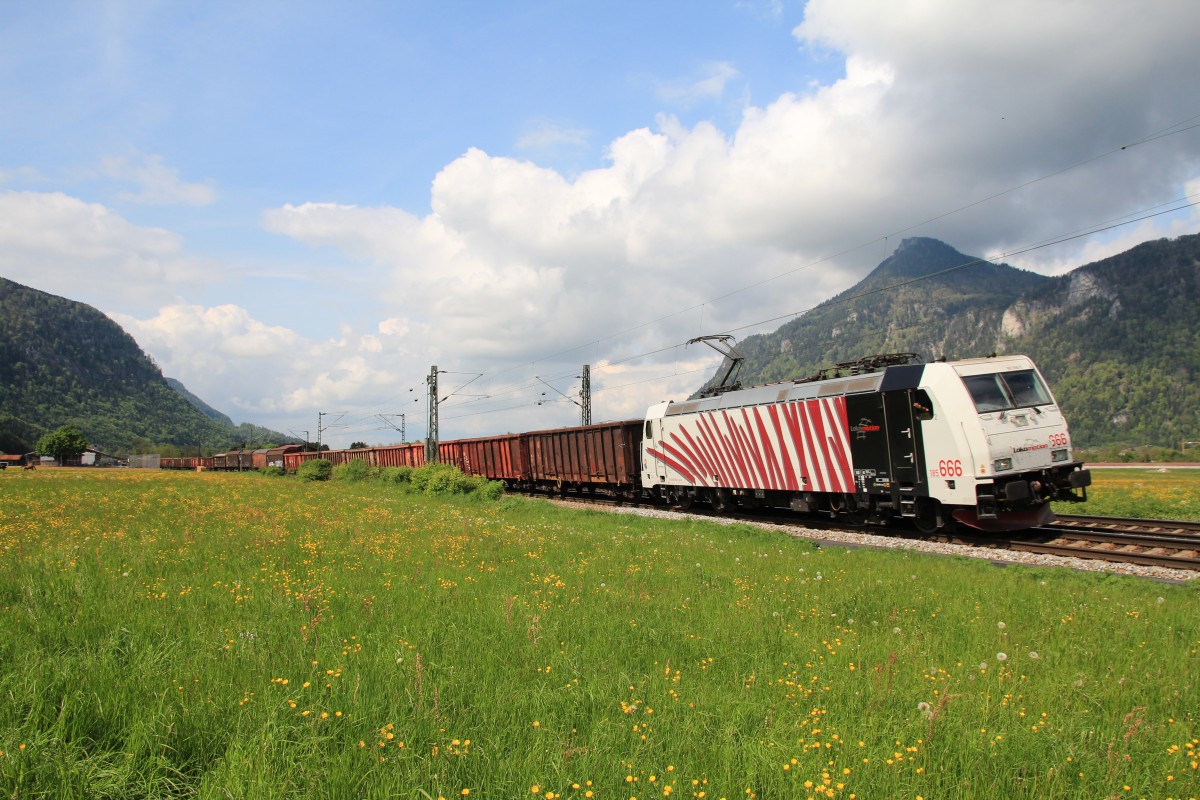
pixel 979 441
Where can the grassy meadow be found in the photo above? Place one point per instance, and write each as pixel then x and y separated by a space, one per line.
pixel 218 636
pixel 1145 492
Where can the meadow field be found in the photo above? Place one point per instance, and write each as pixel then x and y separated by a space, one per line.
pixel 1146 491
pixel 236 636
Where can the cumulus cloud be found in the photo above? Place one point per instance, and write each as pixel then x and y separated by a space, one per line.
pixel 81 250
pixel 207 340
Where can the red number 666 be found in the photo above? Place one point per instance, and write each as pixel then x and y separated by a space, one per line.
pixel 950 468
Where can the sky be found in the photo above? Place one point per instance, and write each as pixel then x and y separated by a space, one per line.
pixel 298 208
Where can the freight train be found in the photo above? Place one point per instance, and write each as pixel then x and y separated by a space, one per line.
pixel 979 442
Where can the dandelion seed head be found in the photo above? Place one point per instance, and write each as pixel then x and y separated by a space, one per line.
pixel 1002 656
pixel 896 630
pixel 983 665
pixel 1033 655
pixel 1001 625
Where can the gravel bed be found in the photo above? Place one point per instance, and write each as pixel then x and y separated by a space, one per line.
pixel 850 539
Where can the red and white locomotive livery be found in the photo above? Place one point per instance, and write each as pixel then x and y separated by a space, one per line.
pixel 980 441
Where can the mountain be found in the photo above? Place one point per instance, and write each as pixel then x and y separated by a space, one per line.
pixel 198 404
pixel 1118 339
pixel 62 361
pixel 898 307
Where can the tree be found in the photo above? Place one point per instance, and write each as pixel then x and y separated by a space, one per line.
pixel 357 445
pixel 66 442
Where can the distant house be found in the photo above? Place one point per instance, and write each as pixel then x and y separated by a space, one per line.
pixel 13 461
pixel 91 457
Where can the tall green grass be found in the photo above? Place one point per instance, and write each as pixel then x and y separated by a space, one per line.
pixel 231 636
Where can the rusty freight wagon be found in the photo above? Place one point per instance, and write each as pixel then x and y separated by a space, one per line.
pixel 498 458
pixel 605 456
pixel 398 455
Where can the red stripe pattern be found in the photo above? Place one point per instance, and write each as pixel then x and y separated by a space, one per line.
pixel 798 446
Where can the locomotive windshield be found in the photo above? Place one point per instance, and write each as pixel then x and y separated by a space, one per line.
pixel 1004 390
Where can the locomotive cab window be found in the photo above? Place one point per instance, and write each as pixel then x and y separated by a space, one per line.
pixel 922 405
pixel 1002 391
pixel 1026 388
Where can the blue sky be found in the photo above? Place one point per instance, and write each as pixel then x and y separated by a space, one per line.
pixel 298 207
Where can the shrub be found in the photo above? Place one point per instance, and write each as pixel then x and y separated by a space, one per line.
pixel 272 472
pixel 444 479
pixel 490 491
pixel 423 475
pixel 354 470
pixel 318 469
pixel 395 474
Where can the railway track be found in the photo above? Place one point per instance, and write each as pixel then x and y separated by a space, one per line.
pixel 1126 524
pixel 1152 543
pixel 1173 544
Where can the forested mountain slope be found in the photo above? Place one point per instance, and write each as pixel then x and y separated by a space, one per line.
pixel 62 361
pixel 1120 340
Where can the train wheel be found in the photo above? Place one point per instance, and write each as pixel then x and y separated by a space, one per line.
pixel 929 516
pixel 852 513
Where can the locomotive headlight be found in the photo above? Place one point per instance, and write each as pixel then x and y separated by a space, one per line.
pixel 1059 455
pixel 1002 464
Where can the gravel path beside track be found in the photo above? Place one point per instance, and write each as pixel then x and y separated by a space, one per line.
pixel 848 539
